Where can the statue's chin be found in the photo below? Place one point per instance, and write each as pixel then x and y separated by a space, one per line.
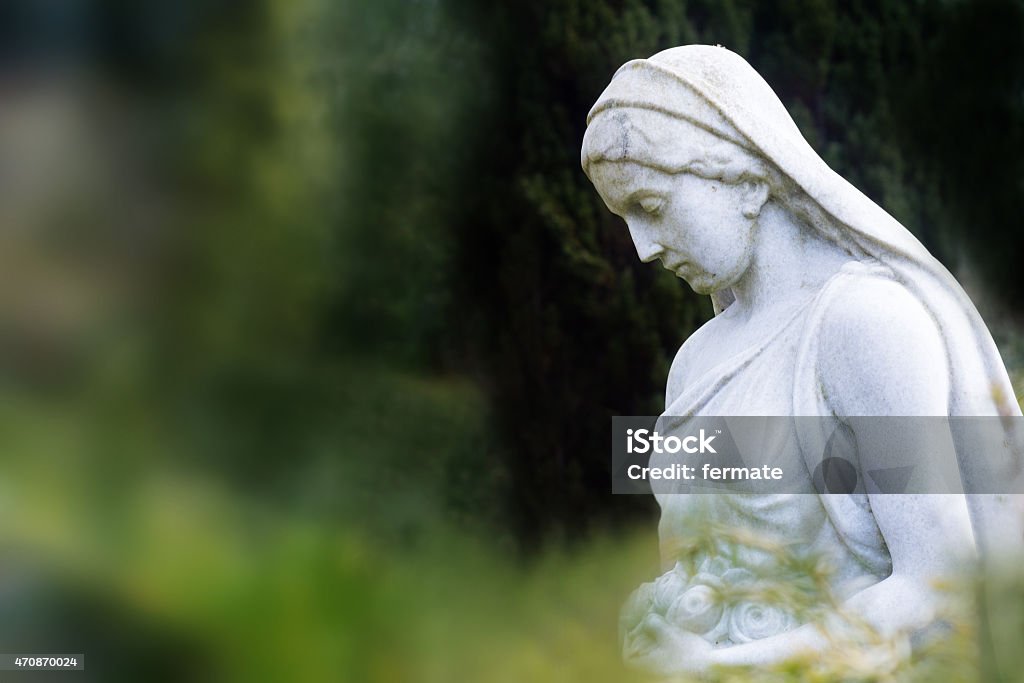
pixel 708 284
pixel 704 285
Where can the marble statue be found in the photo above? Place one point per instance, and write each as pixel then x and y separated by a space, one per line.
pixel 825 305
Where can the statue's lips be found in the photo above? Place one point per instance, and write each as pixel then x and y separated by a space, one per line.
pixel 678 268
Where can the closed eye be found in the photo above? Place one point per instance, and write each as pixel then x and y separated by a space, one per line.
pixel 652 205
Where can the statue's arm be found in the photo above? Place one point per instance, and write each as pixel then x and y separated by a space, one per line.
pixel 881 354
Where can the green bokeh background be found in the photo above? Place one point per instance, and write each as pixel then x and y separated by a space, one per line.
pixel 311 327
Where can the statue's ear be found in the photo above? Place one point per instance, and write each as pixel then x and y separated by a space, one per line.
pixel 754 196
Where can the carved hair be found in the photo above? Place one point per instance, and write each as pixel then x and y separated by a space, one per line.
pixel 675 145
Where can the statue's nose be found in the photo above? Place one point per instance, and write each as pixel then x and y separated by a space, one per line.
pixel 646 248
pixel 650 255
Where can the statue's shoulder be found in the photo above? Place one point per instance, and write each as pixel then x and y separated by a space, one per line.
pixel 880 350
pixel 866 302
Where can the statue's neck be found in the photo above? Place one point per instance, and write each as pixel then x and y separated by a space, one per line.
pixel 791 261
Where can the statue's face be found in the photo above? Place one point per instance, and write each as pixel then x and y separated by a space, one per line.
pixel 694 226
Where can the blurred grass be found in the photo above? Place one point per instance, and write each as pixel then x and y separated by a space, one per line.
pixel 309 593
pixel 285 597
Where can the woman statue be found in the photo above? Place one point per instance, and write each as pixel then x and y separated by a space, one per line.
pixel 825 306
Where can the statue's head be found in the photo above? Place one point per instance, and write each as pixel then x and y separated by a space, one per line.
pixel 689 185
pixel 689 198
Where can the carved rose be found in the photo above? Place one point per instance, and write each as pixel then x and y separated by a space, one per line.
pixel 697 610
pixel 701 605
pixel 753 621
pixel 668 587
